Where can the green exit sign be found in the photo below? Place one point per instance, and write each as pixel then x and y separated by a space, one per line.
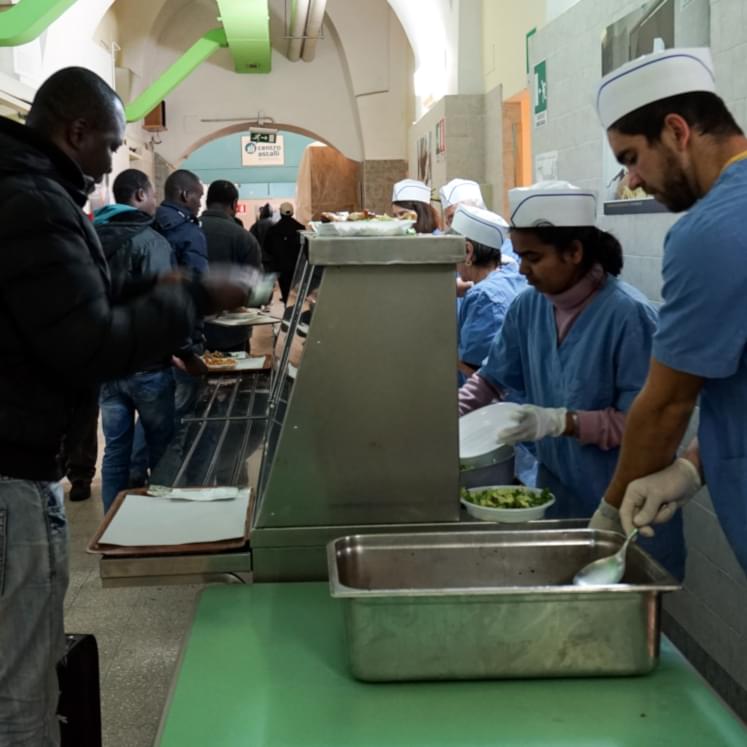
pixel 263 137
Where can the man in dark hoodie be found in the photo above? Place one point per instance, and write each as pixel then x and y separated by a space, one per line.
pixel 135 253
pixel 60 335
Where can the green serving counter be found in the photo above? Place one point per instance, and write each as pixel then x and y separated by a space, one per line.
pixel 265 666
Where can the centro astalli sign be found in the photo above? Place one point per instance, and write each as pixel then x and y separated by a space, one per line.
pixel 262 151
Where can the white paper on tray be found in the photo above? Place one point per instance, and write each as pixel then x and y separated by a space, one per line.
pixel 146 520
pixel 226 493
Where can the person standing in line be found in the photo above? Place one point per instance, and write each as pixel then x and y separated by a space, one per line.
pixel 666 124
pixel 177 220
pixel 135 253
pixel 265 219
pixel 227 242
pixel 281 248
pixel 60 335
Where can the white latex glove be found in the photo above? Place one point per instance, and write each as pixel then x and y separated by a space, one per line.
pixel 532 423
pixel 654 499
pixel 607 518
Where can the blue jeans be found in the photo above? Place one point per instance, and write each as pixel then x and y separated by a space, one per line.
pixel 150 394
pixel 33 581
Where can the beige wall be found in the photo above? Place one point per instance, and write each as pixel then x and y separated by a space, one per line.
pixel 504 28
pixel 474 142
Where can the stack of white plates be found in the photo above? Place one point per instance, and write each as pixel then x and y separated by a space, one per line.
pixel 478 445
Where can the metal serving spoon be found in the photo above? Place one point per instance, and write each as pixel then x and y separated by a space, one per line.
pixel 605 571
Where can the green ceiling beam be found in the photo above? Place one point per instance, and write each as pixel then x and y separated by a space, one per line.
pixel 247 25
pixel 152 96
pixel 23 22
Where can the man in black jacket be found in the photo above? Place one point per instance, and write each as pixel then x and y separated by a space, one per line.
pixel 281 248
pixel 135 253
pixel 227 241
pixel 60 336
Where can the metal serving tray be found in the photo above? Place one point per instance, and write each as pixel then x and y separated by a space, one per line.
pixel 477 605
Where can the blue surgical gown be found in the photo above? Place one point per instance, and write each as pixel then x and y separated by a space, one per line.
pixel 703 332
pixel 602 362
pixel 482 310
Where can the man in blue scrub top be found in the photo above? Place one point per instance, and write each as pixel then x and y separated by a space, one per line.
pixel 678 140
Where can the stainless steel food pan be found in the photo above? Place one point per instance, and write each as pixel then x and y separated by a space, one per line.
pixel 474 605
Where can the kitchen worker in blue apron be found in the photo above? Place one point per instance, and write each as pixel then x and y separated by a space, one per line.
pixel 413 195
pixel 576 348
pixel 494 285
pixel 679 142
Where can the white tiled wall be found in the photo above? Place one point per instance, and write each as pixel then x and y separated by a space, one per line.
pixel 713 607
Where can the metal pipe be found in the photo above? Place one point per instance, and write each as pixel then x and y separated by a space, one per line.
pixel 313 28
pixel 299 14
pixel 28 19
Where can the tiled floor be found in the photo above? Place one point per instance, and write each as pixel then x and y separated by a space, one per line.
pixel 139 630
pixel 139 633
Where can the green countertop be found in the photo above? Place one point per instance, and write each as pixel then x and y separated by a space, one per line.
pixel 265 666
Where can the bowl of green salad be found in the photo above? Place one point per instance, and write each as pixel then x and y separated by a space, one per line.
pixel 506 503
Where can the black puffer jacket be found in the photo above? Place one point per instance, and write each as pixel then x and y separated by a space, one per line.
pixel 136 254
pixel 59 333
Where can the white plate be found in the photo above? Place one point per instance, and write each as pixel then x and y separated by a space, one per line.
pixel 478 429
pixel 506 515
pixel 242 319
pixel 363 228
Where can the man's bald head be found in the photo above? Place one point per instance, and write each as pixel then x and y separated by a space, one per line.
pixel 82 115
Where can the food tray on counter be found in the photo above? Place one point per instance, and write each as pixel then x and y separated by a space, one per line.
pixel 372 227
pixel 482 605
pixel 97 547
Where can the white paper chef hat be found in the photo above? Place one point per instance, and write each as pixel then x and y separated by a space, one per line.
pixel 409 190
pixel 459 190
pixel 653 77
pixel 480 225
pixel 552 203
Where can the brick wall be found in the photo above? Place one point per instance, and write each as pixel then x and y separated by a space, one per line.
pixel 708 619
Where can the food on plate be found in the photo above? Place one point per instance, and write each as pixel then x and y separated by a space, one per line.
pixel 218 359
pixel 508 497
pixel 333 217
pixel 363 215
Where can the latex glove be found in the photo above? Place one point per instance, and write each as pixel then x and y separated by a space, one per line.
pixel 462 286
pixel 654 499
pixel 532 423
pixel 606 518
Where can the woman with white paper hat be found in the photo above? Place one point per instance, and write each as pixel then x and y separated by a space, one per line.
pixel 680 143
pixel 459 192
pixel 484 305
pixel 575 347
pixel 415 196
